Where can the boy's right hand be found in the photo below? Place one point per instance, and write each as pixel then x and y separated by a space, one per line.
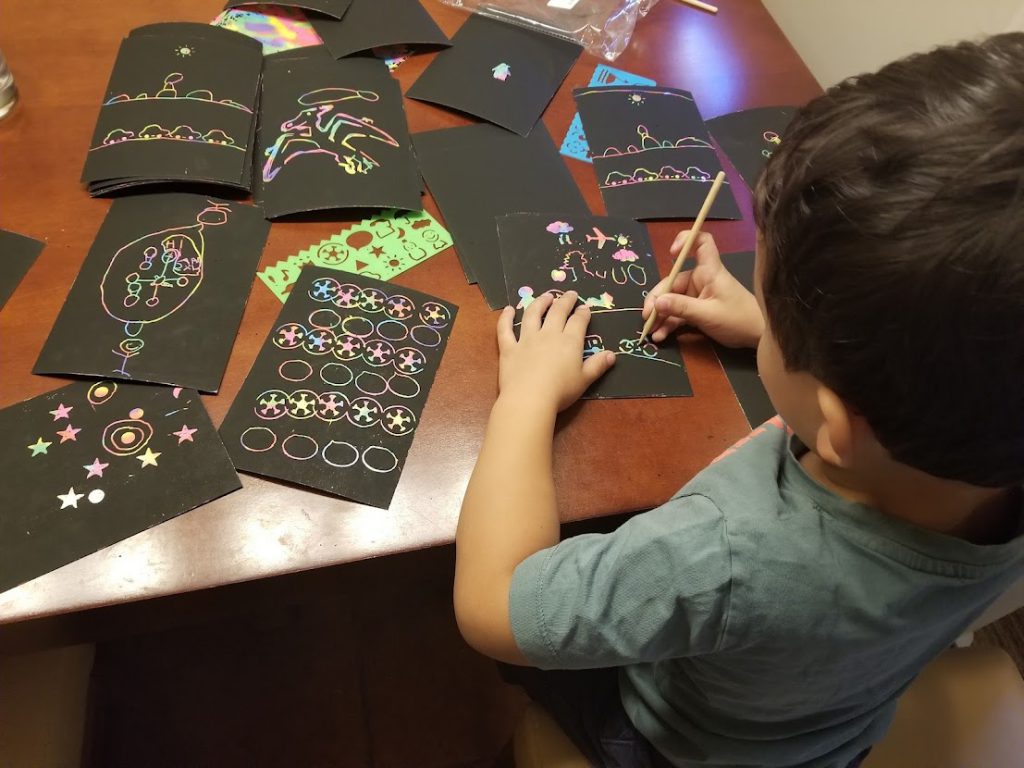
pixel 707 297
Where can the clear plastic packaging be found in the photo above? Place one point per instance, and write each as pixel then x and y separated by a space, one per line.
pixel 603 27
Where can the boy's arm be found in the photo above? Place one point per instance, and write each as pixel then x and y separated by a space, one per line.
pixel 509 511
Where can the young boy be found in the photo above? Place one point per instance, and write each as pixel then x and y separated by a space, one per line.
pixel 773 611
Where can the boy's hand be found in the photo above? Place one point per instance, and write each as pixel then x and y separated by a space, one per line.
pixel 707 297
pixel 545 366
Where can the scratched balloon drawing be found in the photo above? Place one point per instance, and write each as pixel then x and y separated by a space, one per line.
pixel 610 265
pixel 340 384
pixel 94 462
pixel 152 277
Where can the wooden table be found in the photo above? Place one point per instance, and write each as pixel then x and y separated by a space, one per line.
pixel 612 456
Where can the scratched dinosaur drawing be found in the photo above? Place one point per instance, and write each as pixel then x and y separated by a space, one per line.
pixel 322 127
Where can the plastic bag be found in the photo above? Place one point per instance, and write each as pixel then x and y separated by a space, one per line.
pixel 603 27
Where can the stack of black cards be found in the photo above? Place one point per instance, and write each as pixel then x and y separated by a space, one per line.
pixel 372 24
pixel 161 293
pixel 652 153
pixel 335 395
pixel 610 265
pixel 180 107
pixel 332 134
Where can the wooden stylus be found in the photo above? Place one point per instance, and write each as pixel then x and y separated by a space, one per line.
pixel 687 244
pixel 703 6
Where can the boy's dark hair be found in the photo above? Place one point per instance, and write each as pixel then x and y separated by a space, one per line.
pixel 892 226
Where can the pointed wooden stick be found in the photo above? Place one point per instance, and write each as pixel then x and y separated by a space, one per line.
pixel 703 6
pixel 687 244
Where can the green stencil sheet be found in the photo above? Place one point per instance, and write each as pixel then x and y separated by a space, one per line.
pixel 381 247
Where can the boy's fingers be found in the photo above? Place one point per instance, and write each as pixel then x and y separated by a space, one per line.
pixel 535 313
pixel 579 320
pixel 560 310
pixel 686 308
pixel 595 366
pixel 668 325
pixel 506 333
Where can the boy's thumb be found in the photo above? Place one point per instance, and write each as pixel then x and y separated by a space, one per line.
pixel 595 366
pixel 688 309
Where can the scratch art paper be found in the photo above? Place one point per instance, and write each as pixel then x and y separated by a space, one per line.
pixel 379 23
pixel 333 134
pixel 478 172
pixel 93 463
pixel 335 395
pixel 275 27
pixel 161 293
pixel 180 106
pixel 499 72
pixel 750 137
pixel 333 8
pixel 609 263
pixel 17 254
pixel 381 248
pixel 652 154
pixel 575 143
pixel 740 365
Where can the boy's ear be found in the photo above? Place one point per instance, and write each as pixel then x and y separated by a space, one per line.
pixel 835 439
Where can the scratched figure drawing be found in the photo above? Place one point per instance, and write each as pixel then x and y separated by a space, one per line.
pixel 335 396
pixel 95 462
pixel 609 263
pixel 161 292
pixel 651 151
pixel 332 134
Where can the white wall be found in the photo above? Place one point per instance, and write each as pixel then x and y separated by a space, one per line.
pixel 838 38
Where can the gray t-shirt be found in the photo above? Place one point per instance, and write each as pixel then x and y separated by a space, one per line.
pixel 758 618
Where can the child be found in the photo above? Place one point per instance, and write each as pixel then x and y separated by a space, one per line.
pixel 773 611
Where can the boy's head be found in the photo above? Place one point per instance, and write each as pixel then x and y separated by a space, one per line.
pixel 891 225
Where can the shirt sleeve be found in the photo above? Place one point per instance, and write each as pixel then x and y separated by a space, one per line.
pixel 658 587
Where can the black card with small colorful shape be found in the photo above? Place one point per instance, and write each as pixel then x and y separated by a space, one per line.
pixel 335 395
pixel 652 154
pixel 17 254
pixel 180 106
pixel 161 293
pixel 610 264
pixel 377 24
pixel 333 8
pixel 499 72
pixel 93 463
pixel 479 172
pixel 332 134
pixel 750 137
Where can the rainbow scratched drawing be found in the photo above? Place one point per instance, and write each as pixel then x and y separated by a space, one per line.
pixel 277 28
pixel 154 132
pixel 155 275
pixel 319 114
pixel 648 142
pixel 170 91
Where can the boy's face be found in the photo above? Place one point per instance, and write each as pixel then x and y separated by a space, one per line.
pixel 794 395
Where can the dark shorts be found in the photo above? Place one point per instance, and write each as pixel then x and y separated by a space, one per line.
pixel 587 706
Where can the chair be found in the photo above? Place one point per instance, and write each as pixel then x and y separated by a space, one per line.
pixel 965 710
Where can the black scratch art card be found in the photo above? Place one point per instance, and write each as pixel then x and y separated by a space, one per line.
pixel 335 395
pixel 93 463
pixel 17 254
pixel 652 154
pixel 750 137
pixel 180 106
pixel 372 24
pixel 609 263
pixel 332 134
pixel 334 8
pixel 160 295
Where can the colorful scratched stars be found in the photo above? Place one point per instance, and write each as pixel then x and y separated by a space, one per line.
pixel 502 72
pixel 95 469
pixel 69 433
pixel 62 412
pixel 39 447
pixel 149 458
pixel 185 433
pixel 69 499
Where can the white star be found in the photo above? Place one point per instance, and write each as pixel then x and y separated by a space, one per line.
pixel 69 499
pixel 148 459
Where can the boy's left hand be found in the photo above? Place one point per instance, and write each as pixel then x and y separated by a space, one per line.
pixel 546 366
